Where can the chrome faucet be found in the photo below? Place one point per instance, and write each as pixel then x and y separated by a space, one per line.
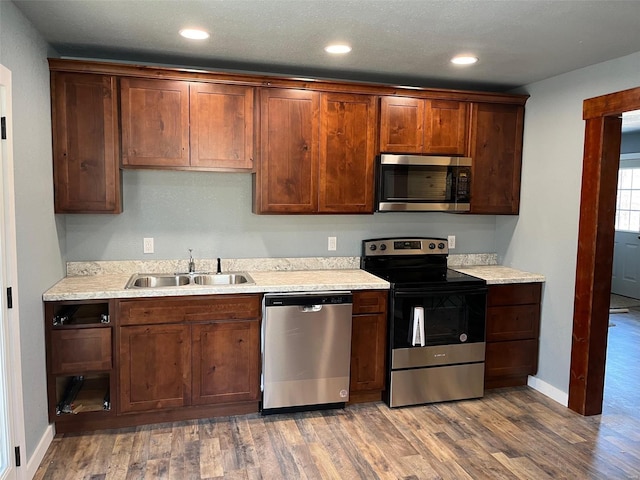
pixel 192 264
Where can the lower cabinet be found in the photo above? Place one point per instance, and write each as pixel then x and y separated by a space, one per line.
pixel 117 363
pixel 80 363
pixel 513 325
pixel 368 345
pixel 155 367
pixel 185 351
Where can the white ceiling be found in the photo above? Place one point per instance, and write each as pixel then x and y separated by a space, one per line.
pixel 401 42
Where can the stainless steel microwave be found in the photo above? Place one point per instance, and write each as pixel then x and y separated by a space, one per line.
pixel 422 183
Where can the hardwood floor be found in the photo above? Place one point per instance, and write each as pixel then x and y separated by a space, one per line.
pixel 514 433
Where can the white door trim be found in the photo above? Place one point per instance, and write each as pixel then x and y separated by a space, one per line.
pixel 10 279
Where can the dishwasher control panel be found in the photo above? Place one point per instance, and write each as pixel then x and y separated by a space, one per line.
pixel 282 300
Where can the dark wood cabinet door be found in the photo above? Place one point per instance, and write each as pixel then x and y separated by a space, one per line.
pixel 347 153
pixel 155 122
pixel 221 126
pixel 496 150
pixel 154 367
pixel 368 341
pixel 226 362
pixel 287 177
pixel 402 124
pixel 513 326
pixel 85 143
pixel 445 127
pixel 511 359
pixel 80 350
pixel 370 301
pixel 513 322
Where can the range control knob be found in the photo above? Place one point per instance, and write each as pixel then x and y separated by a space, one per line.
pixel 383 247
pixel 432 246
pixel 373 247
pixel 441 246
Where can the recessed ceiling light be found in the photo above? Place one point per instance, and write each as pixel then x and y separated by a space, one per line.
pixel 464 60
pixel 194 34
pixel 337 48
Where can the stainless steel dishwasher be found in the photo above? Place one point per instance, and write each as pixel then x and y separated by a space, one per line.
pixel 306 351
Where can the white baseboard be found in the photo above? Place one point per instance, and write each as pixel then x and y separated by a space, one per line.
pixel 36 459
pixel 549 390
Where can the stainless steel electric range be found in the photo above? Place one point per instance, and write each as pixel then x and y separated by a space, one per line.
pixel 437 316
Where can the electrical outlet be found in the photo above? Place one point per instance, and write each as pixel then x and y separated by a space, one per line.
pixel 332 243
pixel 452 241
pixel 147 245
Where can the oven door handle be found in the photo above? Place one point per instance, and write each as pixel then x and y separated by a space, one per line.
pixel 428 292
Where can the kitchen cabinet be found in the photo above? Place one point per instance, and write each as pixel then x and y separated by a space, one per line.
pixel 186 351
pixel 80 366
pixel 226 361
pixel 423 126
pixel 496 150
pixel 317 152
pixel 186 125
pixel 155 122
pixel 86 146
pixel 512 331
pixel 368 345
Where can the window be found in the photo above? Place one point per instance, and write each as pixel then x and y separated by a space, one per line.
pixel 628 201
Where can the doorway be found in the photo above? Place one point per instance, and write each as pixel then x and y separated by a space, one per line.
pixel 12 434
pixel 625 278
pixel 595 247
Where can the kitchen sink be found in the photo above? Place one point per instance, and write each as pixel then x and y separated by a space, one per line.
pixel 222 279
pixel 159 280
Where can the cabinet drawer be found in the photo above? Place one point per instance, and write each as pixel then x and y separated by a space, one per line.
pixel 513 322
pixel 519 357
pixel 80 350
pixel 514 294
pixel 182 309
pixel 369 301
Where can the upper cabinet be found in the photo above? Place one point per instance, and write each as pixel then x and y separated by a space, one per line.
pixel 496 150
pixel 155 122
pixel 311 144
pixel 86 170
pixel 317 152
pixel 423 126
pixel 221 126
pixel 179 124
pixel 287 178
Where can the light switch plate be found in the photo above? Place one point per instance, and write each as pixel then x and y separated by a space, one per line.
pixel 332 243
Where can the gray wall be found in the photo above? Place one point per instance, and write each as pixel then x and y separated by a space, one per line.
pixel 40 264
pixel 544 237
pixel 211 213
pixel 630 143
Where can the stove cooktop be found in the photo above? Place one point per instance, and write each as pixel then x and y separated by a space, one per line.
pixel 413 263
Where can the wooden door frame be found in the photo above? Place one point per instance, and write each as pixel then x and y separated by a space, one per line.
pixel 595 247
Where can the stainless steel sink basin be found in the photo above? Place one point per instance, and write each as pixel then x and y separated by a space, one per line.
pixel 222 279
pixel 155 281
pixel 159 280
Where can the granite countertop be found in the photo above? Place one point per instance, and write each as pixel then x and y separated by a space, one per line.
pixel 497 274
pixel 85 287
pixel 105 279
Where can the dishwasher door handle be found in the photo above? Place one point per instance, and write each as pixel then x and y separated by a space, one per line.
pixel 310 308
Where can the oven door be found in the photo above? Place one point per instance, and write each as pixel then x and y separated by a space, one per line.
pixel 424 318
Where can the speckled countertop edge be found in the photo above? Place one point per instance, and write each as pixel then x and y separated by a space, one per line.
pixel 112 286
pixel 498 275
pixel 107 279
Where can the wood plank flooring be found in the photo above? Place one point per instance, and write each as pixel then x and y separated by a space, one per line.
pixel 514 433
